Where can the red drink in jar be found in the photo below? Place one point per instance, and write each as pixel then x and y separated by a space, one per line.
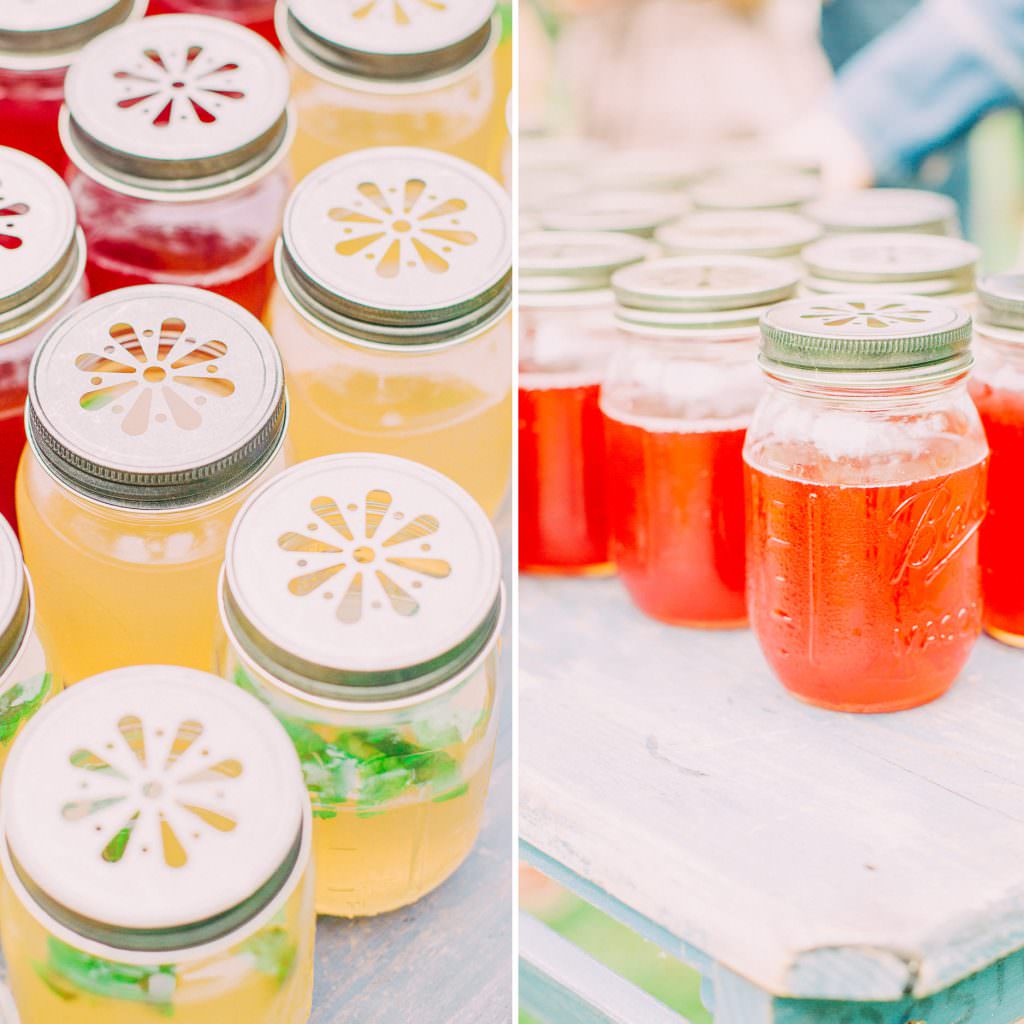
pixel 257 15
pixel 568 335
pixel 177 127
pixel 677 400
pixel 866 493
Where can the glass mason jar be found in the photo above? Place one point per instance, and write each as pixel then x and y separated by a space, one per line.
pixel 743 191
pixel 392 315
pixel 362 602
pixel 866 465
pixel 256 15
pixel 156 857
pixel 881 263
pixel 567 336
pixel 997 387
pixel 381 73
pixel 764 234
pixel 42 267
pixel 153 413
pixel 631 213
pixel 905 210
pixel 37 43
pixel 178 127
pixel 25 680
pixel 676 402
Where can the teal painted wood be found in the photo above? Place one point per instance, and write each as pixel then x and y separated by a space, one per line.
pixel 560 984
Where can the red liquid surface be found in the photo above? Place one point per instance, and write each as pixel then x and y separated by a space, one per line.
pixel 29 105
pixel 12 443
pixel 563 518
pixel 258 16
pixel 1002 538
pixel 677 522
pixel 866 598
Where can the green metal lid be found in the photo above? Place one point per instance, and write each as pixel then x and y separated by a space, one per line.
pixel 864 331
pixel 560 263
pixel 739 191
pixel 887 209
pixel 764 233
pixel 1001 301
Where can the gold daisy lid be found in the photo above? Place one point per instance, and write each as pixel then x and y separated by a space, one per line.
pixel 398 246
pixel 634 213
pixel 156 397
pixel 42 252
pixel 397 40
pixel 38 36
pixel 887 209
pixel 179 106
pixel 763 233
pixel 153 808
pixel 15 597
pixel 362 577
pixel 748 192
pixel 565 263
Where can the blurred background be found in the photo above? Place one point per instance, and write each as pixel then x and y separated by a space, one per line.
pixel 655 94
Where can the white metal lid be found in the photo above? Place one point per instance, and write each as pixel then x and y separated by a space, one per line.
pixel 557 263
pixel 646 170
pixel 157 396
pixel 887 209
pixel 40 35
pixel 886 257
pixel 176 104
pixel 398 245
pixel 637 213
pixel 42 253
pixel 386 39
pixel 362 576
pixel 153 807
pixel 765 233
pixel 1001 305
pixel 747 192
pixel 15 598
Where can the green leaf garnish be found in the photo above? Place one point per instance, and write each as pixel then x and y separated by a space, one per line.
pixel 274 953
pixel 21 702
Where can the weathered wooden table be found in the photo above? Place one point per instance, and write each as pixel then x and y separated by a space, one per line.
pixel 814 867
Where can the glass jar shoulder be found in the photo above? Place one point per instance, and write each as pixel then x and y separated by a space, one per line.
pixel 566 346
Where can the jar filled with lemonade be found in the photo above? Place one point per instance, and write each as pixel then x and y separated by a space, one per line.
pixel 178 127
pixel 153 412
pixel 25 680
pixel 392 315
pixel 567 336
pixel 156 845
pixel 362 602
pixel 676 401
pixel 38 41
pixel 369 73
pixel 866 465
pixel 42 267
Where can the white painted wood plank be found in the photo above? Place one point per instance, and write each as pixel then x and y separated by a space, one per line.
pixel 818 855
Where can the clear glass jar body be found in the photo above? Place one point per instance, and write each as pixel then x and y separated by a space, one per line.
pixel 118 587
pixel 398 790
pixel 864 502
pixel 448 407
pixel 997 387
pixel 223 244
pixel 15 357
pixel 30 103
pixel 676 411
pixel 460 114
pixel 563 516
pixel 264 976
pixel 24 688
pixel 257 15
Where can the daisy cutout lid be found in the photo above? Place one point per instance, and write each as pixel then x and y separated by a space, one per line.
pixel 36 34
pixel 398 245
pixel 157 396
pixel 887 209
pixel 892 257
pixel 565 263
pixel 765 233
pixel 149 800
pixel 635 213
pixel 362 577
pixel 386 39
pixel 176 104
pixel 42 255
pixel 15 602
pixel 746 192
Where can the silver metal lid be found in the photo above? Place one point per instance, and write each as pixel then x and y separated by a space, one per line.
pixel 635 213
pixel 156 397
pixel 15 597
pixel 642 170
pixel 887 209
pixel 40 35
pixel 918 264
pixel 560 263
pixel 398 246
pixel 717 293
pixel 1001 303
pixel 391 40
pixel 153 808
pixel 747 192
pixel 762 233
pixel 176 106
pixel 42 252
pixel 362 577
